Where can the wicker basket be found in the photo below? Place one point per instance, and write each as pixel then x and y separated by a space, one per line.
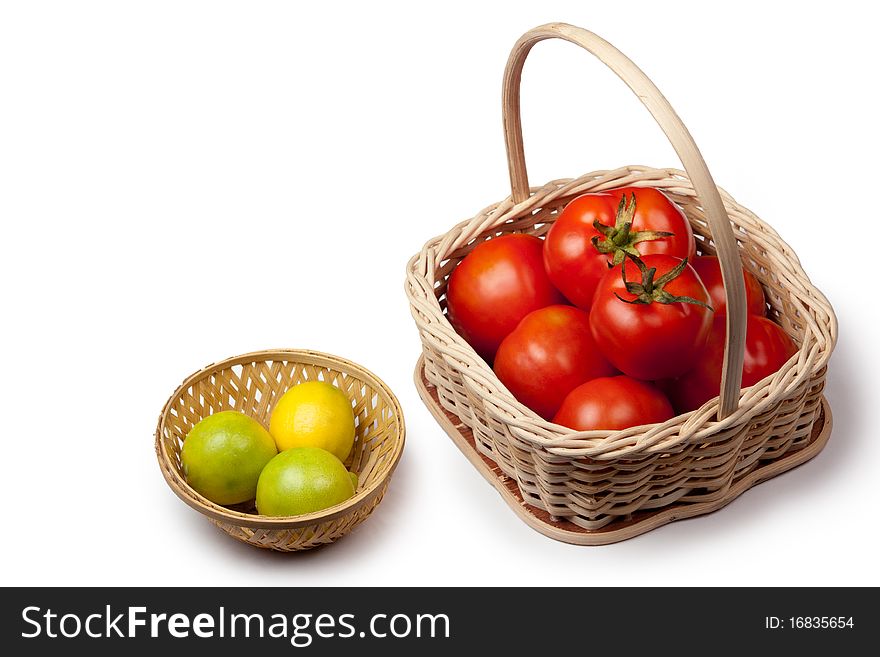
pixel 600 486
pixel 251 383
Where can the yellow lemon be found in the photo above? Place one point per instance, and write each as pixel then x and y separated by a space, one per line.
pixel 222 456
pixel 302 480
pixel 314 414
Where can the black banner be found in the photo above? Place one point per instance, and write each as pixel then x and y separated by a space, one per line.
pixel 319 621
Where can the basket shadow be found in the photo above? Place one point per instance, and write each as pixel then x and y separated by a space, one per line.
pixel 219 543
pixel 370 535
pixel 845 447
pixel 845 393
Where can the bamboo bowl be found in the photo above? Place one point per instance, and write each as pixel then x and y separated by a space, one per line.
pixel 251 383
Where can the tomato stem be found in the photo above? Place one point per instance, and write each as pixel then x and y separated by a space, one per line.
pixel 620 239
pixel 649 290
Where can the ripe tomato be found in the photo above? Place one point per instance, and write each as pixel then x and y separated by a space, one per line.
pixel 595 231
pixel 655 324
pixel 549 354
pixel 709 270
pixel 494 287
pixel 768 348
pixel 612 403
pixel 656 212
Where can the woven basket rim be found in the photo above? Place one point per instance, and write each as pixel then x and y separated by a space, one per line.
pixel 251 520
pixel 557 439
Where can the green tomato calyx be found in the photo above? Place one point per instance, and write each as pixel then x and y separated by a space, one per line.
pixel 620 239
pixel 650 290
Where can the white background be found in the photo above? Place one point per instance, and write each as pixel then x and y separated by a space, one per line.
pixel 185 181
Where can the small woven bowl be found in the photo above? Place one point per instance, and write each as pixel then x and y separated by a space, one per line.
pixel 251 383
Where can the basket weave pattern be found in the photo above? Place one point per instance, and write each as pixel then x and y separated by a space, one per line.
pixel 251 384
pixel 593 478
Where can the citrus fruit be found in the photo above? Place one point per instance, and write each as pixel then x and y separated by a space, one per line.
pixel 302 480
pixel 223 455
pixel 354 479
pixel 314 414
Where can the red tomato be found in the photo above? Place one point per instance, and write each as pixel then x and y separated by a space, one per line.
pixel 654 325
pixel 612 403
pixel 594 231
pixel 768 348
pixel 655 211
pixel 494 287
pixel 709 270
pixel 549 354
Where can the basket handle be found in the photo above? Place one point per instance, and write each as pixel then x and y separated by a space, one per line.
pixel 688 153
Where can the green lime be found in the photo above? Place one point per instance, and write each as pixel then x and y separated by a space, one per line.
pixel 354 479
pixel 302 480
pixel 223 456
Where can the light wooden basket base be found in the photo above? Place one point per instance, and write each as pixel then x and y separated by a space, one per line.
pixel 620 530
